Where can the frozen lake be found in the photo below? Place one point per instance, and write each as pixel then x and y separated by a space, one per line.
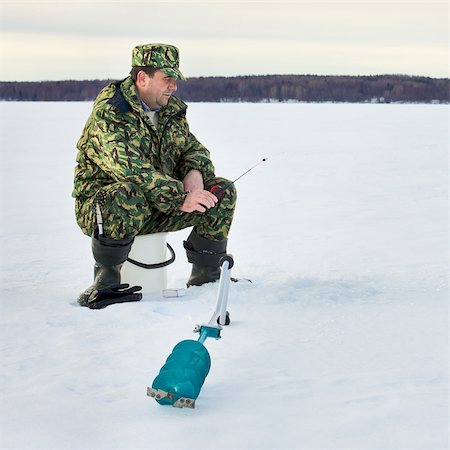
pixel 341 340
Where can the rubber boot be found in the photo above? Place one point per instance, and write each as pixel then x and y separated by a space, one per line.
pixel 205 255
pixel 109 255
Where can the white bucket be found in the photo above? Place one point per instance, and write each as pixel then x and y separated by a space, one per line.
pixel 147 249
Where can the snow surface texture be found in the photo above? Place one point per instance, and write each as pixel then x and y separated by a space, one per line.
pixel 340 342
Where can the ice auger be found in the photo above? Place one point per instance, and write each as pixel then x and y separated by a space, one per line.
pixel 182 376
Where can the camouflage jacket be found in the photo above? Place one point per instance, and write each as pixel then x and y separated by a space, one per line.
pixel 119 144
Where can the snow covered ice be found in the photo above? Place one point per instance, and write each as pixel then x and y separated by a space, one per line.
pixel 339 343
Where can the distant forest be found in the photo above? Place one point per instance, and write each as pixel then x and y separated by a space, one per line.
pixel 265 88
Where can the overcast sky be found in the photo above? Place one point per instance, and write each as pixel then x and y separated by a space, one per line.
pixel 93 39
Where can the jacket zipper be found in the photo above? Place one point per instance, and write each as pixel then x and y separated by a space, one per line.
pixel 178 113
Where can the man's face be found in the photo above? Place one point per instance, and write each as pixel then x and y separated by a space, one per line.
pixel 155 91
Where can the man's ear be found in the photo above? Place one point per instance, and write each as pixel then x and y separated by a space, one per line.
pixel 142 79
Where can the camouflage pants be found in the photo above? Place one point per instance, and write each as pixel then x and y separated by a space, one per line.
pixel 126 213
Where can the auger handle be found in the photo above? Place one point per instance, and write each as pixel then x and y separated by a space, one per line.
pixel 226 263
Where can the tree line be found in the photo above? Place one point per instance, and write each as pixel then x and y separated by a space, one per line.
pixel 261 88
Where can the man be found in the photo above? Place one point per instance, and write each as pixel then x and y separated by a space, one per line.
pixel 142 171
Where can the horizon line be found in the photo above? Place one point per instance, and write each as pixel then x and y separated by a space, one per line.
pixel 241 76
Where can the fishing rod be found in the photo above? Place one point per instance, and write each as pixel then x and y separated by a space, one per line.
pixel 219 191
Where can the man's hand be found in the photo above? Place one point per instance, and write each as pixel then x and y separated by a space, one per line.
pixel 193 181
pixel 198 200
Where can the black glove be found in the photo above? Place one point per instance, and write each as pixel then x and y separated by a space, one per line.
pixel 122 293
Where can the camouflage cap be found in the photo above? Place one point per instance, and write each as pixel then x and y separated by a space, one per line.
pixel 160 56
